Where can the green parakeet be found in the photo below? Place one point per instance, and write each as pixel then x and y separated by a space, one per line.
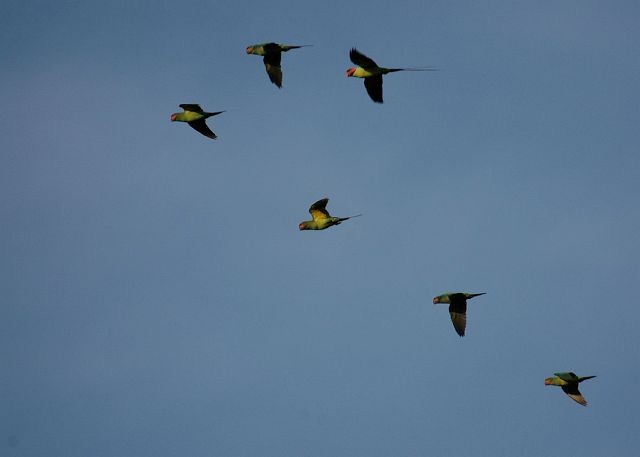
pixel 569 382
pixel 272 53
pixel 195 117
pixel 457 308
pixel 372 73
pixel 321 217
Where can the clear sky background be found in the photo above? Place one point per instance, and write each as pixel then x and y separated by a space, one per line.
pixel 159 300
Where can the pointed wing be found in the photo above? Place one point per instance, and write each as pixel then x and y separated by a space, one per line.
pixel 272 65
pixel 458 312
pixel 201 126
pixel 275 74
pixel 191 107
pixel 459 321
pixel 572 391
pixel 361 60
pixel 373 84
pixel 318 211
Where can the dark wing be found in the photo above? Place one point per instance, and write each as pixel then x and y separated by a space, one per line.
pixel 373 84
pixel 361 60
pixel 318 211
pixel 458 312
pixel 271 48
pixel 272 65
pixel 572 391
pixel 201 126
pixel 191 107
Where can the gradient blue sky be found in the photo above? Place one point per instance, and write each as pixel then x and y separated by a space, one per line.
pixel 159 300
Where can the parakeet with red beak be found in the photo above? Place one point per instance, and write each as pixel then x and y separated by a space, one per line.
pixel 569 382
pixel 321 219
pixel 272 53
pixel 372 73
pixel 195 117
pixel 457 308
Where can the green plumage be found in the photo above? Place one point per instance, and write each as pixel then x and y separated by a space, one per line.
pixel 195 117
pixel 372 73
pixel 272 56
pixel 457 308
pixel 321 219
pixel 569 381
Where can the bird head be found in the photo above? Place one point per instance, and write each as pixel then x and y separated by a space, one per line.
pixel 302 226
pixel 173 117
pixel 442 299
pixel 351 71
pixel 249 49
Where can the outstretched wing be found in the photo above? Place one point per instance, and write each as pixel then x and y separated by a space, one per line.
pixel 361 60
pixel 272 65
pixel 458 312
pixel 201 126
pixel 191 107
pixel 572 391
pixel 373 84
pixel 318 211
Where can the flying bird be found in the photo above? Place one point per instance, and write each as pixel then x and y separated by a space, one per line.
pixel 195 117
pixel 372 73
pixel 457 308
pixel 272 53
pixel 321 219
pixel 569 383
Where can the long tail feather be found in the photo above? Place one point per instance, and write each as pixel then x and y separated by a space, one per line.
pixel 286 47
pixel 584 378
pixel 476 295
pixel 391 70
pixel 345 218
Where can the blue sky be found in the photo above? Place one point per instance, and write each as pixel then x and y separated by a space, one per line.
pixel 159 300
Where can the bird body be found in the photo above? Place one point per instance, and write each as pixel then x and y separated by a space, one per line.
pixel 188 116
pixel 457 302
pixel 272 56
pixel 569 381
pixel 372 73
pixel 359 72
pixel 321 219
pixel 195 117
pixel 264 49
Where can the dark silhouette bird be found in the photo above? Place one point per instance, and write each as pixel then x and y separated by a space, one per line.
pixel 372 73
pixel 272 53
pixel 457 308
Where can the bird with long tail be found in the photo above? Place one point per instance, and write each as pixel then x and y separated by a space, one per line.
pixel 321 219
pixel 195 117
pixel 569 381
pixel 457 302
pixel 272 56
pixel 372 73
